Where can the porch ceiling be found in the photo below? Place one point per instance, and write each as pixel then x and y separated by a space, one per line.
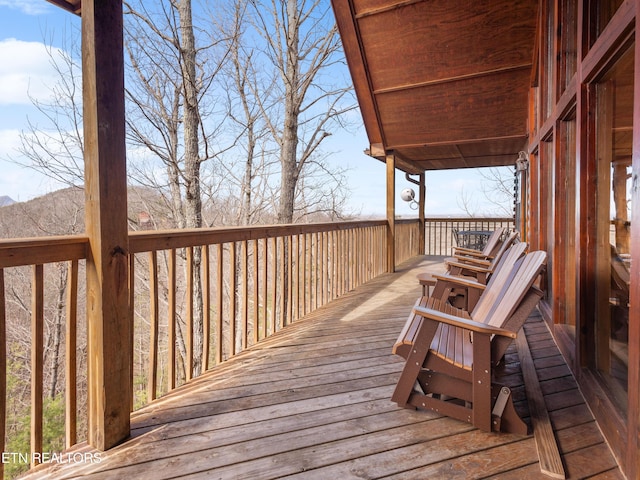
pixel 441 84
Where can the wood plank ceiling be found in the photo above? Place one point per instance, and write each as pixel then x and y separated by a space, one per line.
pixel 441 84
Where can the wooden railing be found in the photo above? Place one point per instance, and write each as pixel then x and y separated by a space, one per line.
pixel 439 235
pixel 24 259
pixel 407 239
pixel 248 283
pixel 198 297
pixel 254 281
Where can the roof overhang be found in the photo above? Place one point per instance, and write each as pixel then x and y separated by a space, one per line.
pixel 441 84
pixel 73 6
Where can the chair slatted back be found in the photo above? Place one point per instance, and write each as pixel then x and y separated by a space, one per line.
pixel 498 281
pixel 525 273
pixel 492 242
pixel 511 238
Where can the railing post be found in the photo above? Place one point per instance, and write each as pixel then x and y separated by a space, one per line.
pixel 109 329
pixel 391 212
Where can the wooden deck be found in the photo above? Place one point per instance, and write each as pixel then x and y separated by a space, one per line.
pixel 314 402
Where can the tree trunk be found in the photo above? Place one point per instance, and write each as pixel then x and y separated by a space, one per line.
pixel 193 198
pixel 288 154
pixel 57 328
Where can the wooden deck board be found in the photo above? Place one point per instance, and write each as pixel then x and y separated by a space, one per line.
pixel 313 401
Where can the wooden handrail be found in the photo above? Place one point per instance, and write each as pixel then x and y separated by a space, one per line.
pixel 145 241
pixel 41 250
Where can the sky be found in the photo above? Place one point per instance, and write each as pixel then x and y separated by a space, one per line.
pixel 25 72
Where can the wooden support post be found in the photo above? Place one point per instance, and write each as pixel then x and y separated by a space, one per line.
pixel 422 201
pixel 391 212
pixel 109 327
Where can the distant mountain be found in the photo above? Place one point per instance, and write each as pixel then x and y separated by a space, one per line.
pixel 5 201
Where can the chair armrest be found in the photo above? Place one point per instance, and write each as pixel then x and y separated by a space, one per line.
pixel 466 324
pixel 467 251
pixel 468 282
pixel 469 266
pixel 472 260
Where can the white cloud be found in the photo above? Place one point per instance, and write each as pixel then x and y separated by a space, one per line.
pixel 25 70
pixel 28 7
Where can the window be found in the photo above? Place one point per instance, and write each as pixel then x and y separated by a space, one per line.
pixel 597 18
pixel 614 132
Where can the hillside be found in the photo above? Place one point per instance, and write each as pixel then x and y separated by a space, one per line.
pixel 6 201
pixel 62 213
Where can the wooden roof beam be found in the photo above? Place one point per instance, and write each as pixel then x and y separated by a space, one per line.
pixel 456 78
pixel 455 142
pixel 378 152
pixel 73 6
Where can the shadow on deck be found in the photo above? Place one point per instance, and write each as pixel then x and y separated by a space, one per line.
pixel 313 401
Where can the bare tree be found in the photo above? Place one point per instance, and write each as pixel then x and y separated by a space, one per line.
pixel 251 171
pixel 301 45
pixel 497 190
pixel 173 115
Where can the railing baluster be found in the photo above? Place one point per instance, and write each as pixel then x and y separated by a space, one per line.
pixel 132 296
pixel 172 318
pixel 256 285
pixel 71 335
pixel 37 345
pixel 295 279
pixel 244 309
pixel 283 279
pixel 233 272
pixel 334 270
pixel 313 268
pixel 265 255
pixel 290 284
pixel 189 319
pixel 3 370
pixel 274 282
pixel 153 327
pixel 206 307
pixel 302 269
pixel 220 296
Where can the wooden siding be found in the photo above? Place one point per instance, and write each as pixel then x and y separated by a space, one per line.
pixel 313 401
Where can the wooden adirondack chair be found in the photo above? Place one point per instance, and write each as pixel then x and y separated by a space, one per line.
pixel 474 266
pixel 488 295
pixel 450 354
pixel 477 267
pixel 470 287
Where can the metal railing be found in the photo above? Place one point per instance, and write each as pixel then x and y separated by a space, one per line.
pixel 439 232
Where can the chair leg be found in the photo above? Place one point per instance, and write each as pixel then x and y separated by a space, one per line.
pixel 504 415
pixel 413 365
pixel 481 382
